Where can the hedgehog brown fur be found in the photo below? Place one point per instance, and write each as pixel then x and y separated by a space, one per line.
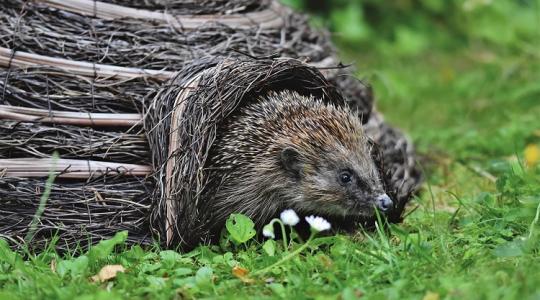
pixel 290 151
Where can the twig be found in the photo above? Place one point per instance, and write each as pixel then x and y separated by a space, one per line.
pixel 24 59
pixel 68 168
pixel 73 118
pixel 267 18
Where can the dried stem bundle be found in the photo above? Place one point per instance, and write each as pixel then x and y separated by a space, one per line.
pixel 116 86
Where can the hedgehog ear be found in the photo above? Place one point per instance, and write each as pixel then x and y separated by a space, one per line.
pixel 290 160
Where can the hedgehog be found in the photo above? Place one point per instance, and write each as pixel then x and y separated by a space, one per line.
pixel 286 150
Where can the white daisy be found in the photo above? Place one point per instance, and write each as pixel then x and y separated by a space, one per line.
pixel 289 217
pixel 318 223
pixel 268 231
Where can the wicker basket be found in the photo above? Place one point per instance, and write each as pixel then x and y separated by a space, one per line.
pixel 131 98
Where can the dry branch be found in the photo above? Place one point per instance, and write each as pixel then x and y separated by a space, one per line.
pixel 67 168
pixel 73 118
pixel 270 17
pixel 23 60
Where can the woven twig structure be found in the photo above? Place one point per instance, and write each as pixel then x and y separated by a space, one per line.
pixel 131 95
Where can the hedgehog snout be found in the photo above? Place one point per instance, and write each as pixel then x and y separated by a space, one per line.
pixel 384 203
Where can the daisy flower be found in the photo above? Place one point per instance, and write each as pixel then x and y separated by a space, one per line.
pixel 318 223
pixel 268 231
pixel 289 217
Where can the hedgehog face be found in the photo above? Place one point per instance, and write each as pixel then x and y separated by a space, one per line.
pixel 338 182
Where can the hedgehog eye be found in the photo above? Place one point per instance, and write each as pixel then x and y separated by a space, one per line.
pixel 345 177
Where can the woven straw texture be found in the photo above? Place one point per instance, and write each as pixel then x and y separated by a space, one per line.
pixel 131 94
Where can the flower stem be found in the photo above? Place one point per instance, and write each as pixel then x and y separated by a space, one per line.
pixel 283 233
pixel 286 257
pixel 284 236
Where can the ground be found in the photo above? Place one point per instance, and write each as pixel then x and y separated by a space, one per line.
pixel 472 233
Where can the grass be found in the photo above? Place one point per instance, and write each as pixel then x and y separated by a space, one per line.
pixel 471 111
